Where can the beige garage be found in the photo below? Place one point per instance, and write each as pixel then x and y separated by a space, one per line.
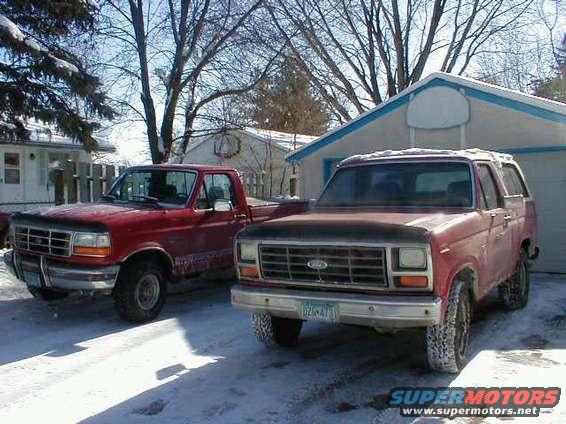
pixel 447 111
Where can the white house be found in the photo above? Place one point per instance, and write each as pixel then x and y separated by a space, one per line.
pixel 25 166
pixel 447 111
pixel 259 156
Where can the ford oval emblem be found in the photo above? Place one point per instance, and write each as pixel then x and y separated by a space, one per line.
pixel 317 264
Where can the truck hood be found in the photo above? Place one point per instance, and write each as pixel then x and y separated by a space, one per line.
pixel 95 215
pixel 359 225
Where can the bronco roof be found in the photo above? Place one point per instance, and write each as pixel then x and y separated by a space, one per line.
pixel 470 154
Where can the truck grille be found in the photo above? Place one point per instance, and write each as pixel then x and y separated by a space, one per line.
pixel 363 266
pixel 43 241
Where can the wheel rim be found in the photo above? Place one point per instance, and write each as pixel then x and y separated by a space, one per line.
pixel 463 330
pixel 147 292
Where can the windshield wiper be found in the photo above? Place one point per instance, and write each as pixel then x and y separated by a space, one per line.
pixel 108 197
pixel 144 197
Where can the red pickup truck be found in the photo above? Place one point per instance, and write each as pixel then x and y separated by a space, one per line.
pixel 155 225
pixel 397 239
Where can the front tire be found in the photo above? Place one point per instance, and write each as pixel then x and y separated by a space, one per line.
pixel 274 331
pixel 447 343
pixel 140 291
pixel 514 293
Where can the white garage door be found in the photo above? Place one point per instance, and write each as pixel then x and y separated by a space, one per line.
pixel 546 177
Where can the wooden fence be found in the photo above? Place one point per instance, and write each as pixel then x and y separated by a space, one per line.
pixel 83 182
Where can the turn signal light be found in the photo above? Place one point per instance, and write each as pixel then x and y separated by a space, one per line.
pixel 420 281
pixel 91 251
pixel 249 272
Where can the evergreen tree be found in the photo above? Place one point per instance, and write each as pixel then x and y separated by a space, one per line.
pixel 40 77
pixel 285 102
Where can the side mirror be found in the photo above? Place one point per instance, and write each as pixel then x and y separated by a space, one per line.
pixel 222 206
pixel 513 202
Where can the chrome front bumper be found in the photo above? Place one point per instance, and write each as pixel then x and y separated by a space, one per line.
pixel 39 271
pixel 359 309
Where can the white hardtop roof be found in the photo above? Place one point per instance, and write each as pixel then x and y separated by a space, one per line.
pixel 471 154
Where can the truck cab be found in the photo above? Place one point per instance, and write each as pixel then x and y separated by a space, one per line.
pixel 156 225
pixel 396 240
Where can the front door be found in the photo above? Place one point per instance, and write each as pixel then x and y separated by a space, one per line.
pixel 11 178
pixel 498 255
pixel 213 234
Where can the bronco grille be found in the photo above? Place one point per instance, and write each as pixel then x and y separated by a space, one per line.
pixel 43 241
pixel 364 266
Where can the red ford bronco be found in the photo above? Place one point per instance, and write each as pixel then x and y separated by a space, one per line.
pixel 155 225
pixel 397 239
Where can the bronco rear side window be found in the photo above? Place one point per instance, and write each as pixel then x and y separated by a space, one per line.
pixel 513 180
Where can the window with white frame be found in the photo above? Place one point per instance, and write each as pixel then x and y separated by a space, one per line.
pixel 11 168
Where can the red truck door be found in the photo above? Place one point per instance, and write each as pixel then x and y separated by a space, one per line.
pixel 498 251
pixel 214 231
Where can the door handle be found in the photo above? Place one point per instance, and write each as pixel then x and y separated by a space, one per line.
pixel 507 217
pixel 493 214
pixel 240 216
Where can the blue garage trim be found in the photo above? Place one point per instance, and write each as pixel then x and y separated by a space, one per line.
pixel 327 167
pixel 390 106
pixel 533 149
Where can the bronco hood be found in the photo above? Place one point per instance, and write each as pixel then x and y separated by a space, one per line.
pixel 97 216
pixel 359 225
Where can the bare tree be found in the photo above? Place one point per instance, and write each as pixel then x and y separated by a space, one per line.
pixel 522 60
pixel 188 55
pixel 360 52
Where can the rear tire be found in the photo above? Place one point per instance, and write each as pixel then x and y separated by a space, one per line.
pixel 140 291
pixel 274 331
pixel 447 343
pixel 514 293
pixel 46 294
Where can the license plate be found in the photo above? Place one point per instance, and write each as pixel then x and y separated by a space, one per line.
pixel 319 311
pixel 32 279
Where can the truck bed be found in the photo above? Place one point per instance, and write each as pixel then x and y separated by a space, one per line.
pixel 261 210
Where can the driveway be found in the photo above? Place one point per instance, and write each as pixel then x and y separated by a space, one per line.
pixel 199 362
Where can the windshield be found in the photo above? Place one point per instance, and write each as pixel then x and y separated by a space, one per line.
pixel 155 185
pixel 440 184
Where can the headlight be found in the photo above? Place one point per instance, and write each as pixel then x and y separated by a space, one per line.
pixel 246 252
pixel 91 244
pixel 412 258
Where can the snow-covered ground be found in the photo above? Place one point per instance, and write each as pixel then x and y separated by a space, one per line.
pixel 200 363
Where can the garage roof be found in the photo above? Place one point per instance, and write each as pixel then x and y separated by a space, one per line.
pixel 526 103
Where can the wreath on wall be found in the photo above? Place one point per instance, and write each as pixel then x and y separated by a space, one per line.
pixel 227 146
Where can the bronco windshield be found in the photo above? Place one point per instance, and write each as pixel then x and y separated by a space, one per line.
pixel 407 184
pixel 154 185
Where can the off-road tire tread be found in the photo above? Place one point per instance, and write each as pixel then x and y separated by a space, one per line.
pixel 275 331
pixel 124 290
pixel 508 291
pixel 440 338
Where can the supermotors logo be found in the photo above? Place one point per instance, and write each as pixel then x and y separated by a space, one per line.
pixel 452 402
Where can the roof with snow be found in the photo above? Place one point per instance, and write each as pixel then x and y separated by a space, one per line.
pixel 532 105
pixel 281 140
pixel 44 136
